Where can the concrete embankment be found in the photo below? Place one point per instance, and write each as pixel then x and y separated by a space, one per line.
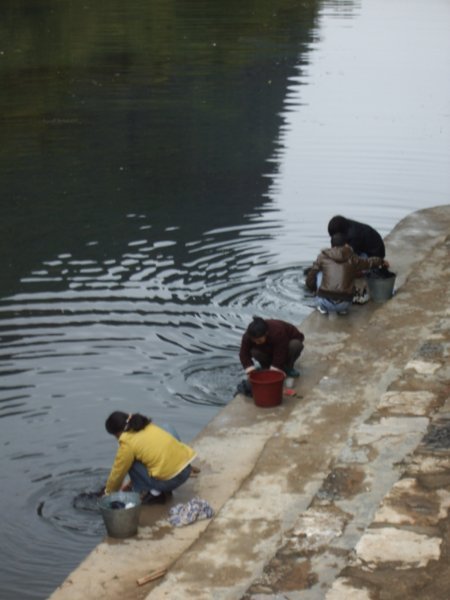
pixel 343 491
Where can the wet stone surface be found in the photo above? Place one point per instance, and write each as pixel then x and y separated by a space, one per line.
pixel 314 530
pixel 406 402
pixel 410 503
pixel 388 582
pixel 432 481
pixel 398 547
pixel 295 575
pixel 438 436
pixel 430 351
pixel 341 483
pixel 423 367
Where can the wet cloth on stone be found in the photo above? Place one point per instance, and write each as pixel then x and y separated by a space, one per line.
pixel 195 509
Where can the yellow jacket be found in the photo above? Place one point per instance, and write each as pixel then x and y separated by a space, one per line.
pixel 162 454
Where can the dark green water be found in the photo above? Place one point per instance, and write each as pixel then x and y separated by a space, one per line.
pixel 167 170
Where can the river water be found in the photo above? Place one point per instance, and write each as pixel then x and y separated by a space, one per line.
pixel 167 170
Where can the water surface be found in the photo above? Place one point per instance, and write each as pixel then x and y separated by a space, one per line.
pixel 167 170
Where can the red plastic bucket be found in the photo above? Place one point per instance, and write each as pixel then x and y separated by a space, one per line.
pixel 267 387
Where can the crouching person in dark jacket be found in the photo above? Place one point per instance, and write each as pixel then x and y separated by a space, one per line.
pixel 273 343
pixel 333 275
pixel 362 238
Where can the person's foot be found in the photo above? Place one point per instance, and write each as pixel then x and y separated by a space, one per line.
pixel 292 372
pixel 342 312
pixel 322 310
pixel 149 498
pixel 194 471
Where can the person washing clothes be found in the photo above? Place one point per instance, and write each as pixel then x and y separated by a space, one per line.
pixel 365 242
pixel 273 343
pixel 332 275
pixel 156 461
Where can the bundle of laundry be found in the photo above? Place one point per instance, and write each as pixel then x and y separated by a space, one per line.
pixel 193 510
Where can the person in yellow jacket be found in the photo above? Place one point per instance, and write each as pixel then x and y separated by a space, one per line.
pixel 156 461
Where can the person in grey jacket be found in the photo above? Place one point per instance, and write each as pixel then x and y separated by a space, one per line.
pixel 332 275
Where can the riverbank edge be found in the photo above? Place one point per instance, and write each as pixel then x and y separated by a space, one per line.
pixel 243 450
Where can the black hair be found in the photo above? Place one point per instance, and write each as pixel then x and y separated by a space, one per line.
pixel 337 224
pixel 338 239
pixel 257 328
pixel 118 421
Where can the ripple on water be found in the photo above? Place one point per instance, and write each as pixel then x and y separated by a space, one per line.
pixel 210 381
pixel 273 293
pixel 66 502
pixel 54 531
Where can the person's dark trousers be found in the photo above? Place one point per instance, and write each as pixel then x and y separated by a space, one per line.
pixel 295 348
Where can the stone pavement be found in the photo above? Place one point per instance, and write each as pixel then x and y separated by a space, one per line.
pixel 343 492
pixel 401 551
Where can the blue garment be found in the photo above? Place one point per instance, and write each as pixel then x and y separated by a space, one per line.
pixel 338 306
pixel 341 306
